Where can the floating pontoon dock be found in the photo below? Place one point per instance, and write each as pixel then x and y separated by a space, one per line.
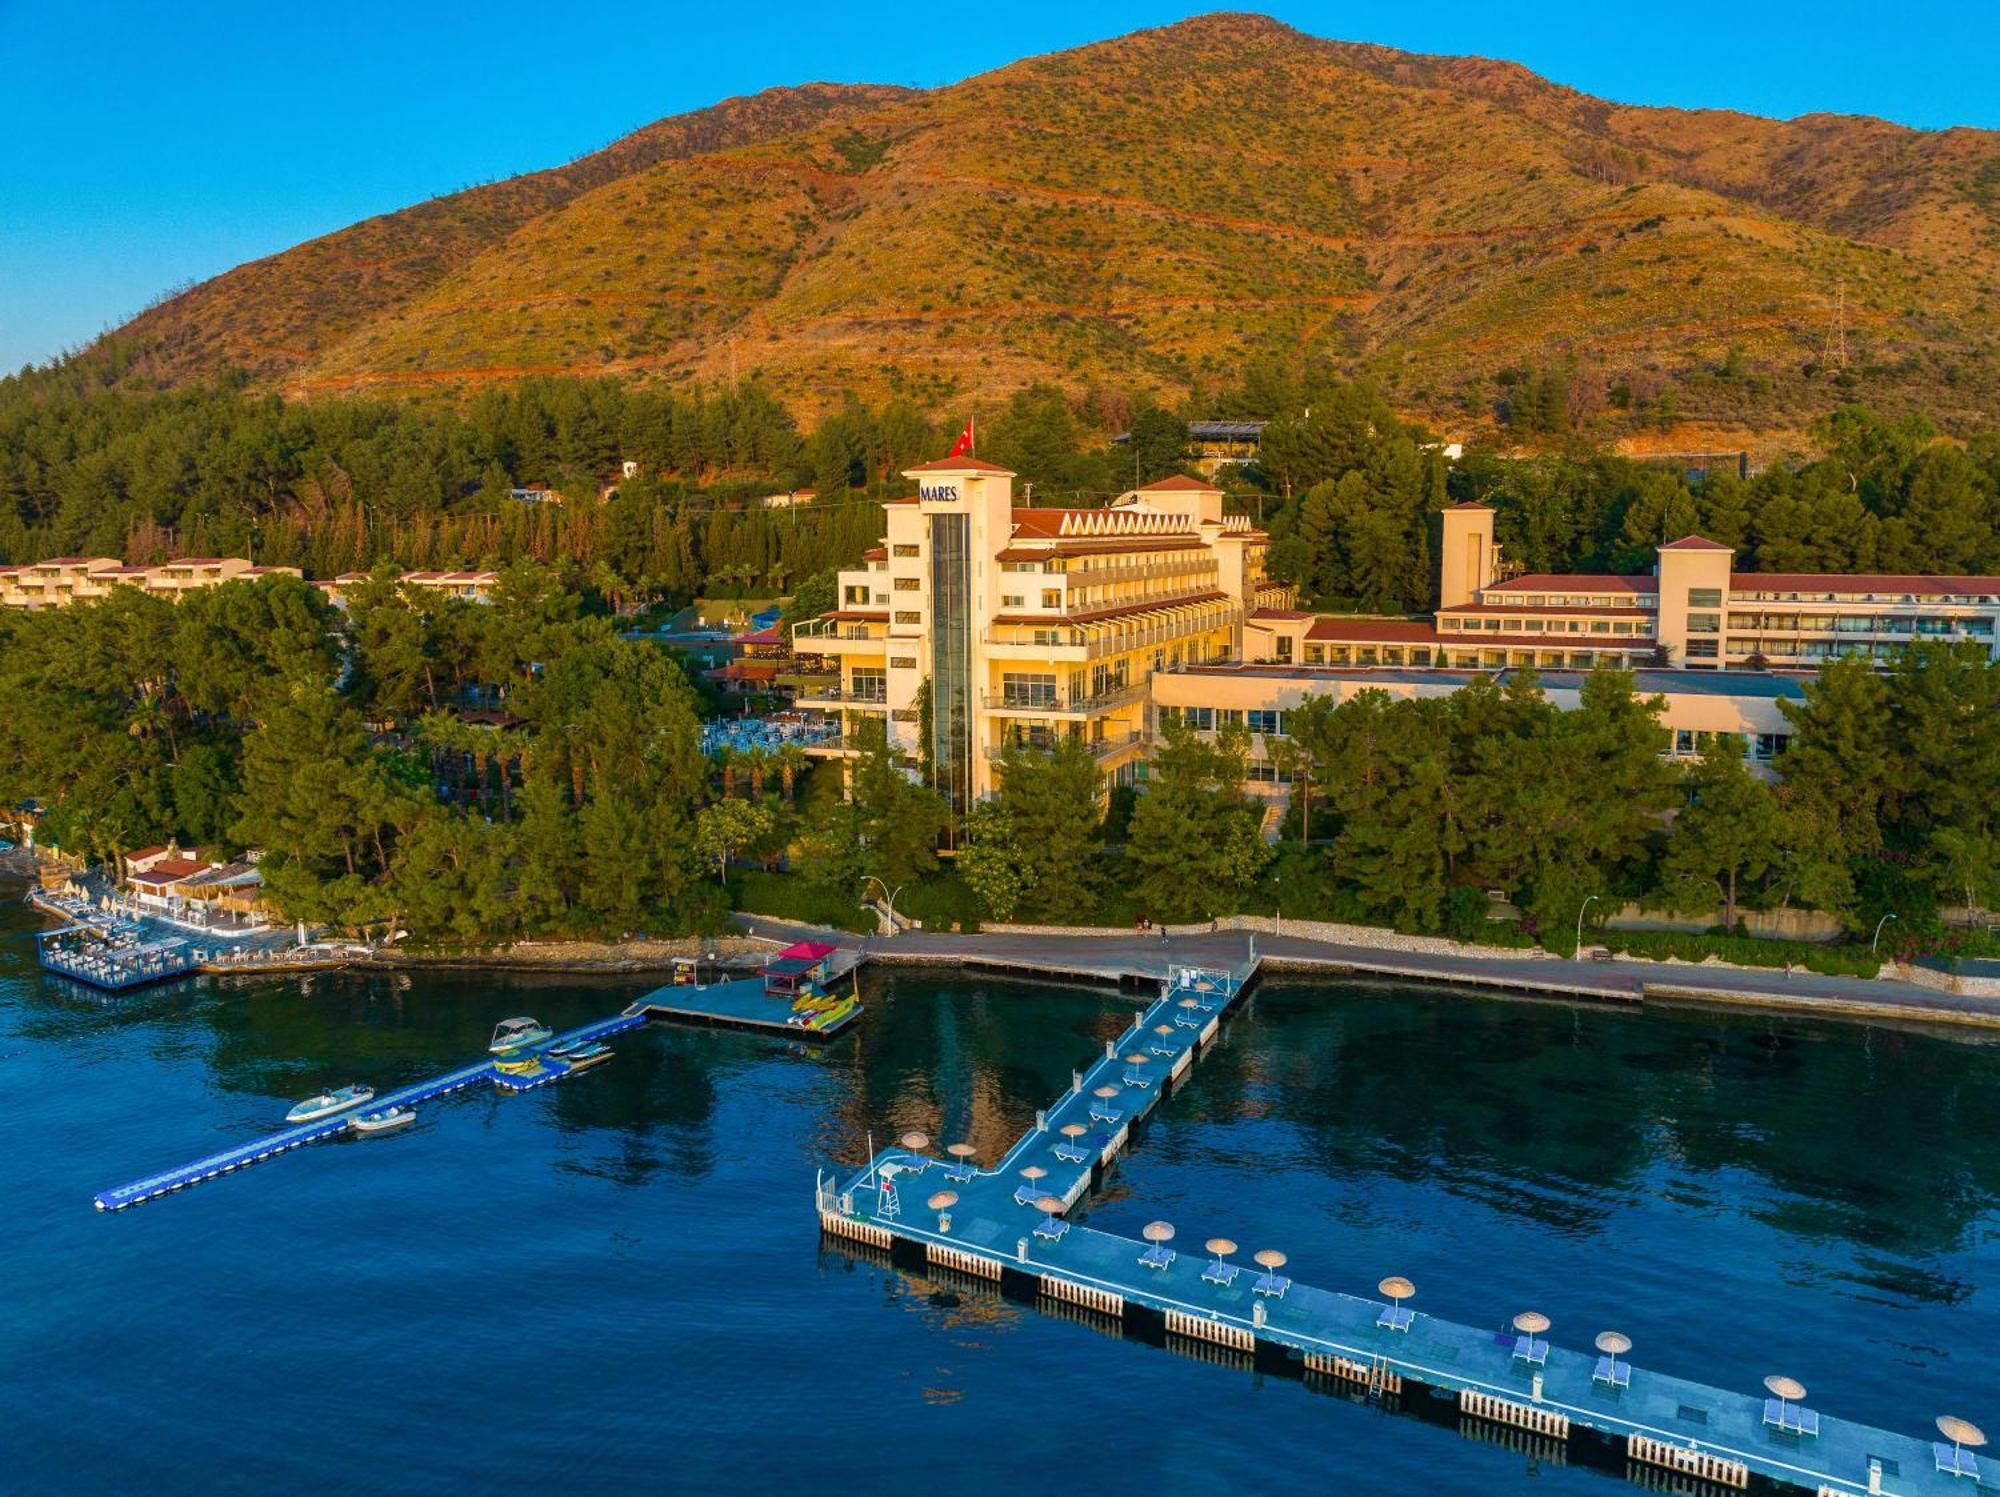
pixel 745 1005
pixel 242 1157
pixel 1674 1434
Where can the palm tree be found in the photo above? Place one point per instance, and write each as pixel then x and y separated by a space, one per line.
pixel 725 760
pixel 759 763
pixel 791 759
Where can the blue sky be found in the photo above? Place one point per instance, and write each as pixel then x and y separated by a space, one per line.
pixel 148 145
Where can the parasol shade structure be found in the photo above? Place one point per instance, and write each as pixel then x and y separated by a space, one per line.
pixel 1270 1258
pixel 915 1142
pixel 1613 1343
pixel 1397 1288
pixel 1107 1092
pixel 960 1151
pixel 1785 1389
pixel 1961 1431
pixel 943 1200
pixel 1073 1130
pixel 1531 1322
pixel 1158 1232
pixel 1222 1247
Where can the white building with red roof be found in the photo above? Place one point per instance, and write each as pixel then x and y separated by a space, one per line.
pixel 1030 625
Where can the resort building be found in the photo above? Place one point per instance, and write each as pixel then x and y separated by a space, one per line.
pixel 1700 706
pixel 474 587
pixel 81 579
pixel 1692 611
pixel 978 623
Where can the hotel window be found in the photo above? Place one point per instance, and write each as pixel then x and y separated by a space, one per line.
pixel 1169 715
pixel 1598 626
pixel 1420 656
pixel 1013 600
pixel 905 616
pixel 869 684
pixel 881 597
pixel 908 584
pixel 1701 649
pixel 1051 597
pixel 1683 741
pixel 1268 722
pixel 1315 654
pixel 855 594
pixel 1285 648
pixel 1533 626
pixel 1704 623
pixel 1018 689
pixel 1704 597
pixel 1770 745
pixel 907 550
pixel 1201 719
pixel 902 662
pixel 1229 717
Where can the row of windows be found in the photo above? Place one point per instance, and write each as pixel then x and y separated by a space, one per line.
pixel 1827 623
pixel 1494 625
pixel 1763 747
pixel 1268 722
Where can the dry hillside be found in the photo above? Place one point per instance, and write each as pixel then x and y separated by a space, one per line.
pixel 1153 210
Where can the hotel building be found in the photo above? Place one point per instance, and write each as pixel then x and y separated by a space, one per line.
pixel 1693 611
pixel 978 623
pixel 81 579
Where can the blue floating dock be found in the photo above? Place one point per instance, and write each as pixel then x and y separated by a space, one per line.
pixel 742 1004
pixel 285 1140
pixel 1675 1434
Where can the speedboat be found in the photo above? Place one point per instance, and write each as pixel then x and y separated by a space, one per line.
pixel 510 1035
pixel 586 1056
pixel 569 1047
pixel 386 1121
pixel 326 1104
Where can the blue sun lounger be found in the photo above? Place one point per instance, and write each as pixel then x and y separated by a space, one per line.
pixel 1272 1285
pixel 1186 1020
pixel 1955 1460
pixel 1103 1112
pixel 1612 1374
pixel 1159 1255
pixel 1528 1349
pixel 1070 1153
pixel 1027 1195
pixel 1051 1228
pixel 1396 1318
pixel 1138 1079
pixel 1791 1418
pixel 1164 1049
pixel 1221 1273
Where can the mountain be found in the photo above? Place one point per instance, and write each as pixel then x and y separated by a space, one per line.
pixel 1152 212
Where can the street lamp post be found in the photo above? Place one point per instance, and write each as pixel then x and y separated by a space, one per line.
pixel 1577 955
pixel 1878 931
pixel 888 897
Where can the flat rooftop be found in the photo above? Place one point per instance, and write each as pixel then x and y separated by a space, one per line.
pixel 1767 684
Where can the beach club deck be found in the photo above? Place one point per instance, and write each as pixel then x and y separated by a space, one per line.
pixel 1006 1225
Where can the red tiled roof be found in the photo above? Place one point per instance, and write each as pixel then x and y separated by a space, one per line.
pixel 875 553
pixel 1560 582
pixel 1860 582
pixel 1519 610
pixel 879 615
pixel 169 871
pixel 775 635
pixel 1178 483
pixel 1695 543
pixel 960 465
pixel 1372 631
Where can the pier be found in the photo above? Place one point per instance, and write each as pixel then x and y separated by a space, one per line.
pixel 1006 1225
pixel 746 1003
pixel 548 1069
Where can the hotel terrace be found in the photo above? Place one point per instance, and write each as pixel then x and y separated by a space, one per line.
pixel 1030 625
pixel 474 587
pixel 78 579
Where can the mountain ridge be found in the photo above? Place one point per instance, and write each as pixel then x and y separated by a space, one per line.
pixel 1154 211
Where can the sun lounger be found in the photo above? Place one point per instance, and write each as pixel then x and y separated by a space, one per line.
pixel 1159 1255
pixel 1396 1318
pixel 1791 1418
pixel 1164 1049
pixel 1069 1153
pixel 1104 1112
pixel 1530 1350
pixel 1138 1079
pixel 959 1172
pixel 1612 1374
pixel 1272 1285
pixel 1186 1020
pixel 1221 1273
pixel 1027 1195
pixel 1955 1460
pixel 1051 1229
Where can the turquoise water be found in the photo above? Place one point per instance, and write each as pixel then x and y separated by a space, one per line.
pixel 617 1284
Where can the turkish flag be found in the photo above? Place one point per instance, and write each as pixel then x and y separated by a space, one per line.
pixel 963 446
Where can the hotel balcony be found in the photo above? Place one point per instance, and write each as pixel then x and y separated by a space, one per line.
pixel 1059 704
pixel 1100 750
pixel 843 698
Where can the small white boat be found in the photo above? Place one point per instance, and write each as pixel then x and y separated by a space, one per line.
pixel 510 1035
pixel 326 1104
pixel 386 1121
pixel 586 1056
pixel 568 1048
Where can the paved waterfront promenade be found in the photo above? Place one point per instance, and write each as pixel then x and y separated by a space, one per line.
pixel 1112 957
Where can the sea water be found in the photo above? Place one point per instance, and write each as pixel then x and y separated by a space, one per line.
pixel 617 1283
